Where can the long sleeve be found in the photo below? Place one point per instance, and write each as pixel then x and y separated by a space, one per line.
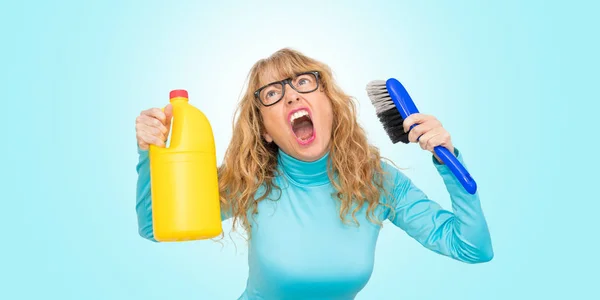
pixel 461 234
pixel 143 205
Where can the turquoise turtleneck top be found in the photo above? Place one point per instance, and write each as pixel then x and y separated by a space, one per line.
pixel 300 249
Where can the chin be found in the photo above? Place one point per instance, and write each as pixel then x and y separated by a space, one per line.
pixel 310 156
pixel 309 152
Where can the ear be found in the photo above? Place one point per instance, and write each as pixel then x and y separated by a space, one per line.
pixel 268 137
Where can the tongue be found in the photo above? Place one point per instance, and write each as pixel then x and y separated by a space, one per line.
pixel 303 129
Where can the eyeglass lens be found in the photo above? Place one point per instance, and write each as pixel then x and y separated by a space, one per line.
pixel 303 83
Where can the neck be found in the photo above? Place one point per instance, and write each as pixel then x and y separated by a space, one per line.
pixel 302 172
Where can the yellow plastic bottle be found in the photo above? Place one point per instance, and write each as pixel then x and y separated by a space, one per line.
pixel 184 185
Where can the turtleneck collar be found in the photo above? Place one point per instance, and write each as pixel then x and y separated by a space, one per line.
pixel 304 173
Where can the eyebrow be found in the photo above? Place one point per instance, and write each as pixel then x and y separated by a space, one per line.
pixel 292 76
pixel 276 81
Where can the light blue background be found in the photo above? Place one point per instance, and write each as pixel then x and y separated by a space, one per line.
pixel 514 83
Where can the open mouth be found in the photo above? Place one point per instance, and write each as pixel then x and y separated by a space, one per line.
pixel 302 126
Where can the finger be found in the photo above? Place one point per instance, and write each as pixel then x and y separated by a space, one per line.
pixel 153 122
pixel 155 113
pixel 151 127
pixel 425 138
pixel 440 137
pixel 420 129
pixel 140 136
pixel 412 120
pixel 151 139
pixel 153 131
pixel 143 145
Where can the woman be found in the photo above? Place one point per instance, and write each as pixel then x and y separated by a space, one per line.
pixel 301 178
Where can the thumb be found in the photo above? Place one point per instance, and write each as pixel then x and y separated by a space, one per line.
pixel 168 113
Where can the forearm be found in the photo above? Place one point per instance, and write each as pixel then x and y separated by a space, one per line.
pixel 143 205
pixel 461 233
pixel 465 230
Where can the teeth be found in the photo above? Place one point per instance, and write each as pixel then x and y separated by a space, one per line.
pixel 297 115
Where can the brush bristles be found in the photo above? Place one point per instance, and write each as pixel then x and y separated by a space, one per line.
pixel 386 111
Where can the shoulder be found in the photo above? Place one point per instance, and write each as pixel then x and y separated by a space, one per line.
pixel 392 172
pixel 395 182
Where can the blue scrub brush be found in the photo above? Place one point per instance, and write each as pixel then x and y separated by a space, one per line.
pixel 393 105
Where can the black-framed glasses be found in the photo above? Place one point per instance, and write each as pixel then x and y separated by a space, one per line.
pixel 271 93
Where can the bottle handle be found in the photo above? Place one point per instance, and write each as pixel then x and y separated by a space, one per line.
pixel 155 148
pixel 170 130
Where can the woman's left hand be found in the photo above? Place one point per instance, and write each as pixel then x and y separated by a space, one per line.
pixel 429 132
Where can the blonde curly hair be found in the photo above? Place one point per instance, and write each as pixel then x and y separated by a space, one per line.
pixel 250 162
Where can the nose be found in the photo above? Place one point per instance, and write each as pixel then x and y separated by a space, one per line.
pixel 291 95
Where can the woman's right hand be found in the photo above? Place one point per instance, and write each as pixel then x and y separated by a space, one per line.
pixel 152 127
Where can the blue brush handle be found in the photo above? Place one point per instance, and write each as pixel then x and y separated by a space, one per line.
pixel 406 107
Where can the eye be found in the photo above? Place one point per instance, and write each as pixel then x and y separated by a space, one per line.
pixel 271 94
pixel 303 80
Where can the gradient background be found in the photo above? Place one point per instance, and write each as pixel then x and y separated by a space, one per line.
pixel 512 82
